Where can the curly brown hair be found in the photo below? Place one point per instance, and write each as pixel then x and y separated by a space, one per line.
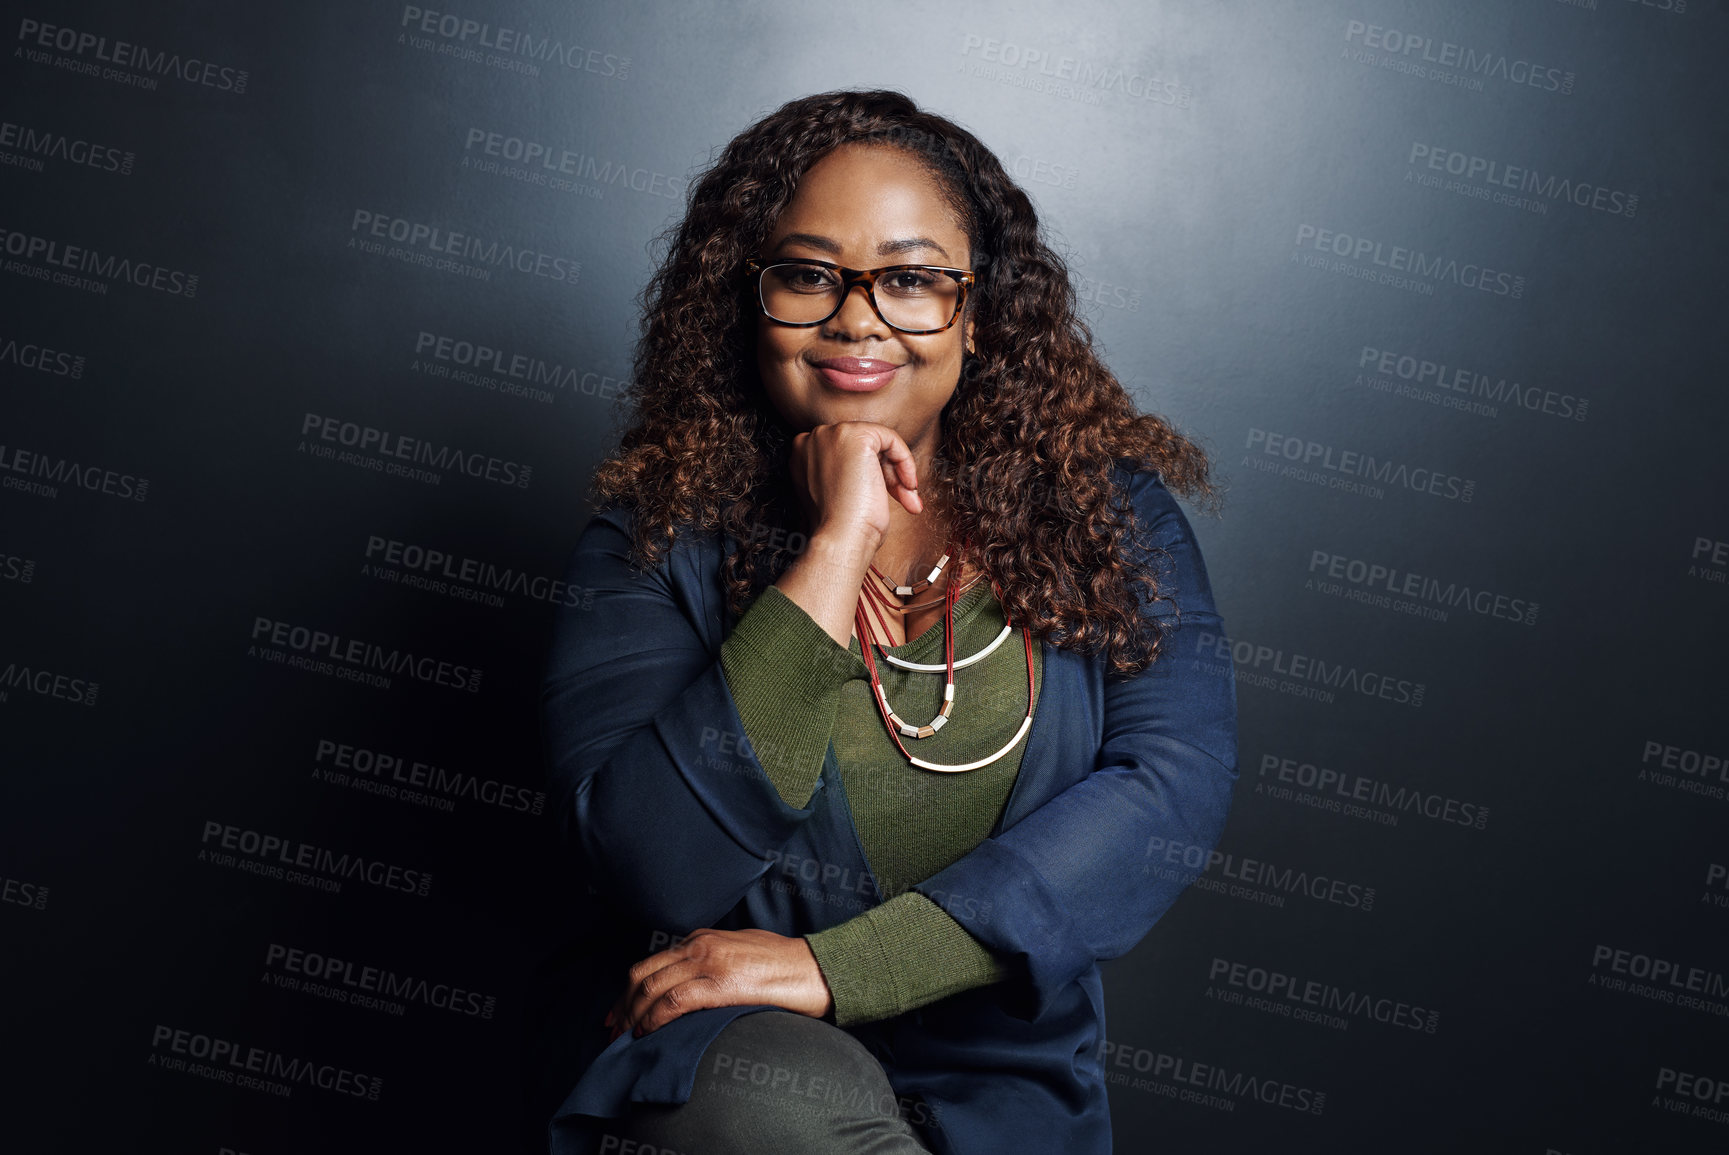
pixel 1035 412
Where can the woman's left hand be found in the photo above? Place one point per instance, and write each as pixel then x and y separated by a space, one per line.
pixel 721 968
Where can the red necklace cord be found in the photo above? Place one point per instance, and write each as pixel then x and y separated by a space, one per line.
pixel 894 722
pixel 881 598
pixel 890 720
pixel 881 621
pixel 917 587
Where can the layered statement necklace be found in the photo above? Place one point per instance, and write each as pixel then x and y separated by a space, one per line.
pixel 879 604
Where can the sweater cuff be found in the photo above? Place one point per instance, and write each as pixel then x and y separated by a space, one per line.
pixel 899 956
pixel 785 675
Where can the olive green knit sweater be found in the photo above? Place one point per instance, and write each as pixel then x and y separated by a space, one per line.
pixel 797 690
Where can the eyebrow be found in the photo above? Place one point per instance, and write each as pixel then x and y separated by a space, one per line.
pixel 887 248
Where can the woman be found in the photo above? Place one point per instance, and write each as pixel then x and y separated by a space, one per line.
pixel 886 710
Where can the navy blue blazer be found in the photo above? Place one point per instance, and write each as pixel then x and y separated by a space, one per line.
pixel 670 816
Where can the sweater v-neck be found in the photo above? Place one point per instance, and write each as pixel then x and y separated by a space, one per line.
pixel 967 606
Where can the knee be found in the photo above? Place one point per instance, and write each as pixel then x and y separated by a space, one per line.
pixel 775 1081
pixel 792 1074
pixel 793 1055
pixel 625 1142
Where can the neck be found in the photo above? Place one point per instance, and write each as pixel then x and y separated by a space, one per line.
pixel 914 542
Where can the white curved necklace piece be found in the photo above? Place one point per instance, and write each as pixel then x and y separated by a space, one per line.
pixel 920 762
pixel 941 668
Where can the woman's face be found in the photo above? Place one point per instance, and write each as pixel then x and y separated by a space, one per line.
pixel 865 207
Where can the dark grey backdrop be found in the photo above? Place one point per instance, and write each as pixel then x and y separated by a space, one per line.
pixel 1438 284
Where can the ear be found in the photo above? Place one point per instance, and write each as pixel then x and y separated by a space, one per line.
pixel 967 334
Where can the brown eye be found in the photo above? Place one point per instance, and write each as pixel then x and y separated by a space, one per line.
pixel 911 282
pixel 803 278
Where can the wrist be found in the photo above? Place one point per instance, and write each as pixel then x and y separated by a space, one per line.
pixel 827 1010
pixel 842 552
pixel 824 582
pixel 846 539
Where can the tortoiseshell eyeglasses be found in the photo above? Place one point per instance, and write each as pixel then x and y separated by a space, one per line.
pixel 913 299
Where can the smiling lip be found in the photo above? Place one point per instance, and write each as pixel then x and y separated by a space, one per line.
pixel 856 374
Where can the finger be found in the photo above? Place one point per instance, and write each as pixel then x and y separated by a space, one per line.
pixel 640 972
pixel 900 473
pixel 693 995
pixel 653 987
pixel 896 453
pixel 648 964
pixel 801 464
pixel 909 498
pixel 615 1021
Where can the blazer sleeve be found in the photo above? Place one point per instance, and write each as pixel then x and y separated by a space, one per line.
pixel 654 784
pixel 1082 878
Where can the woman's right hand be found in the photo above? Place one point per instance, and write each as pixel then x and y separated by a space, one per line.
pixel 847 473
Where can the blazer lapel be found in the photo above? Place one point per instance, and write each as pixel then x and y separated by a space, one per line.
pixel 1067 718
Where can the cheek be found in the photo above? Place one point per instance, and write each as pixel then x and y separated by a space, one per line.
pixel 943 362
pixel 772 350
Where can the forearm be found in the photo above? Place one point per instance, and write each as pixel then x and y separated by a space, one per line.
pixel 785 674
pixel 1083 875
pixel 899 956
pixel 824 580
pixel 666 808
pixel 665 824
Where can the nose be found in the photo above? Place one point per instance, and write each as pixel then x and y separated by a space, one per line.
pixel 856 317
